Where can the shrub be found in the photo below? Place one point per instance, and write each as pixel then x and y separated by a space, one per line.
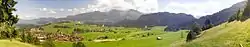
pixel 48 43
pixel 78 44
pixel 103 37
pixel 193 33
pixel 191 36
pixel 208 25
pixel 58 26
pixel 89 39
pixel 29 38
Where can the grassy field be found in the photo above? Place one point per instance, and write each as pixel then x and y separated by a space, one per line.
pixel 234 34
pixel 151 41
pixel 132 37
pixel 13 43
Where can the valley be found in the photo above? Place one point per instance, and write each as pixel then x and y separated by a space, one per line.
pixel 124 23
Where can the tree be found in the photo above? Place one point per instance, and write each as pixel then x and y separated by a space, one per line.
pixel 191 36
pixel 7 20
pixel 23 37
pixel 14 34
pixel 232 18
pixel 247 10
pixel 78 44
pixel 237 16
pixel 246 13
pixel 196 30
pixel 208 24
pixel 48 43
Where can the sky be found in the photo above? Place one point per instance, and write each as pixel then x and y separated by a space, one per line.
pixel 32 9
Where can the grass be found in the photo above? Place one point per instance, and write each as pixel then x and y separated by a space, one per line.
pixel 14 43
pixel 168 39
pixel 234 34
pixel 150 41
pixel 134 37
pixel 63 44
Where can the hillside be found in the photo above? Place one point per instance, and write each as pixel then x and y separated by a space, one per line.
pixel 13 43
pixel 216 18
pixel 222 16
pixel 234 34
pixel 183 21
pixel 174 21
pixel 116 36
pixel 96 17
pixel 164 19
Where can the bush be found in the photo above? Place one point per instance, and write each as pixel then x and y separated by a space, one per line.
pixel 196 30
pixel 191 36
pixel 48 43
pixel 89 39
pixel 29 38
pixel 78 44
pixel 143 35
pixel 58 26
pixel 208 25
pixel 103 37
pixel 237 16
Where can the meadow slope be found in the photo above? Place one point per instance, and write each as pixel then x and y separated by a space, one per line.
pixel 233 34
pixel 14 43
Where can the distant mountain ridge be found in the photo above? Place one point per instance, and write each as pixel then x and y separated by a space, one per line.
pixel 174 21
pixel 109 17
pixel 183 21
pixel 159 19
pixel 216 18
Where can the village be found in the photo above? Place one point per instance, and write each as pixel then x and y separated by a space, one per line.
pixel 58 36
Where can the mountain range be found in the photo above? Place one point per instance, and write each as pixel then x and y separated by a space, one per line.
pixel 173 21
pixel 179 21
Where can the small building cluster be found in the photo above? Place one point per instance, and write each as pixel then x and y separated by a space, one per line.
pixel 58 36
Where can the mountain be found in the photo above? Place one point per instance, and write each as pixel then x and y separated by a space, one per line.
pixel 216 18
pixel 96 17
pixel 174 21
pixel 228 34
pixel 231 34
pixel 222 16
pixel 36 21
pixel 160 19
pixel 183 21
pixel 105 17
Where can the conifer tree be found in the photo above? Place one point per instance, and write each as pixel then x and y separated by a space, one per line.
pixel 247 9
pixel 7 19
pixel 195 31
pixel 246 13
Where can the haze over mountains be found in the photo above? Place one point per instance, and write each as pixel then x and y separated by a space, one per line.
pixel 135 18
pixel 92 17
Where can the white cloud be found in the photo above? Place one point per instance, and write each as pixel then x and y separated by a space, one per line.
pixel 199 9
pixel 52 11
pixel 70 9
pixel 194 7
pixel 61 9
pixel 75 9
pixel 44 9
pixel 145 6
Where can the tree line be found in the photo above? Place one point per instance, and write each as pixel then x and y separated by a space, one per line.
pixel 240 15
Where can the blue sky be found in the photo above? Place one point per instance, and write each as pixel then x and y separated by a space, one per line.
pixel 31 9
